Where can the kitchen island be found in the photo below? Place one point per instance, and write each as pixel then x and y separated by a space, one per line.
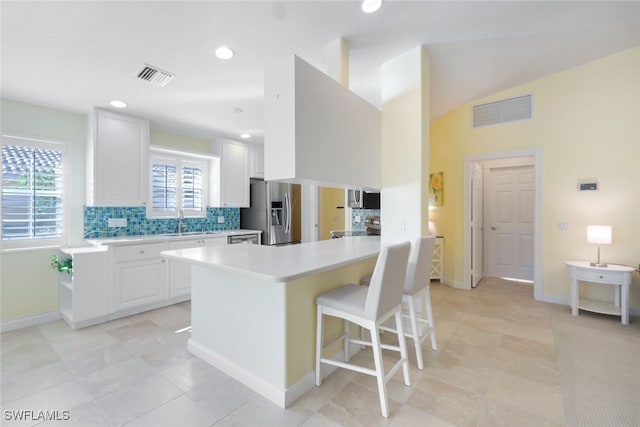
pixel 253 309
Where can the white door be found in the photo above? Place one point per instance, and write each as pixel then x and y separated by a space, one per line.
pixel 509 224
pixel 476 224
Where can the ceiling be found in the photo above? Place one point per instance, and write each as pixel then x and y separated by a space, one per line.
pixel 74 55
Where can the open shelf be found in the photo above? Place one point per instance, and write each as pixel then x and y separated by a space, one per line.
pixel 65 280
pixel 599 307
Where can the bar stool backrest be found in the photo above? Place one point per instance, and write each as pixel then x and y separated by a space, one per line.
pixel 419 268
pixel 386 287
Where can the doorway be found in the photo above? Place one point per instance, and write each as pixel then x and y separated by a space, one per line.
pixel 331 211
pixel 509 220
pixel 502 209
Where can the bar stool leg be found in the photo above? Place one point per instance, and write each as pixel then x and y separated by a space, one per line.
pixel 319 344
pixel 432 326
pixel 377 357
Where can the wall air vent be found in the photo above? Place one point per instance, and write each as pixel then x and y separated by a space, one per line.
pixel 506 110
pixel 155 75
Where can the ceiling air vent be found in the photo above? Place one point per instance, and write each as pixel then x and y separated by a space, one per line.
pixel 155 75
pixel 506 110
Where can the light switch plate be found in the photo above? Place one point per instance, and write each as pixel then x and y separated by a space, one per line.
pixel 220 219
pixel 116 222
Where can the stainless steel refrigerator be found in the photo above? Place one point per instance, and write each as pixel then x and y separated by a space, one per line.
pixel 274 209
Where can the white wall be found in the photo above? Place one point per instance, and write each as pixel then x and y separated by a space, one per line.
pixel 317 131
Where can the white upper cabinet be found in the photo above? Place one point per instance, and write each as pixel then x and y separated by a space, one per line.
pixel 318 131
pixel 117 166
pixel 234 174
pixel 257 160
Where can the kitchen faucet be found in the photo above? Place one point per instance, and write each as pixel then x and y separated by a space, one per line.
pixel 181 221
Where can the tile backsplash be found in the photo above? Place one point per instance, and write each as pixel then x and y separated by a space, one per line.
pixel 95 222
pixel 363 214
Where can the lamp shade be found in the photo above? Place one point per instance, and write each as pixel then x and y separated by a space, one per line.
pixel 600 234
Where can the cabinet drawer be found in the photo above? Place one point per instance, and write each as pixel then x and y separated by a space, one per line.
pixel 599 276
pixel 139 252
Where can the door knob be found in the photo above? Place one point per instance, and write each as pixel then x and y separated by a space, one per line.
pixel 494 228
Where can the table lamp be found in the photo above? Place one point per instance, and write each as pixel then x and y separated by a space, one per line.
pixel 600 235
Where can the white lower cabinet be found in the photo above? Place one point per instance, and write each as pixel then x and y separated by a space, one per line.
pixel 180 272
pixel 85 298
pixel 140 276
pixel 120 279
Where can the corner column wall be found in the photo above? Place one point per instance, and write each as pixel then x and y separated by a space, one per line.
pixel 405 146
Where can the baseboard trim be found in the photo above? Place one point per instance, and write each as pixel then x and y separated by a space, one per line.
pixel 455 284
pixel 554 299
pixel 281 397
pixel 25 322
pixel 274 394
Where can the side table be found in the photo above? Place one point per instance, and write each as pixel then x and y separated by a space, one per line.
pixel 437 266
pixel 612 275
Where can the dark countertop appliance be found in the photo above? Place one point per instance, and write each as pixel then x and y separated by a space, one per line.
pixel 359 199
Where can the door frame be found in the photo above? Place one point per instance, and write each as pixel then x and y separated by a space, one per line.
pixel 537 250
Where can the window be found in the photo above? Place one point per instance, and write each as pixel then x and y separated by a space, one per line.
pixel 192 186
pixel 177 186
pixel 164 186
pixel 32 193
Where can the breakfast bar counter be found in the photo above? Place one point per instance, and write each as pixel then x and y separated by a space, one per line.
pixel 253 307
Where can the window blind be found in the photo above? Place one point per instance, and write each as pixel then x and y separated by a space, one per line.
pixel 32 189
pixel 164 187
pixel 192 188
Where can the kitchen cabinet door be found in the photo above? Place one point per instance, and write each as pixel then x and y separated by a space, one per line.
pixel 117 160
pixel 180 272
pixel 140 275
pixel 140 282
pixel 257 161
pixel 234 174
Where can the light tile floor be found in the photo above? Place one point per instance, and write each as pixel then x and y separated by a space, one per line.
pixel 496 366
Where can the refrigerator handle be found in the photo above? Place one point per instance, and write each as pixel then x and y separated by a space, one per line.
pixel 287 203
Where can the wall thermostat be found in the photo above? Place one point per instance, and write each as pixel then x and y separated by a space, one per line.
pixel 588 185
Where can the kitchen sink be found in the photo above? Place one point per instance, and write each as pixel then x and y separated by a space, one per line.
pixel 193 233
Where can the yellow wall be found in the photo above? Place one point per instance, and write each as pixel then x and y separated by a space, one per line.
pixel 405 142
pixel 586 121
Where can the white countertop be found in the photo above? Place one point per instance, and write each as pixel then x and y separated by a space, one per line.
pixel 83 249
pixel 281 263
pixel 123 240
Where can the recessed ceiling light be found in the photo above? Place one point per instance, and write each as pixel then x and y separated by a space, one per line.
pixel 118 104
pixel 370 6
pixel 245 135
pixel 224 52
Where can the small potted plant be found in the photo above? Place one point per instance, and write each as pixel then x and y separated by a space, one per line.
pixel 62 265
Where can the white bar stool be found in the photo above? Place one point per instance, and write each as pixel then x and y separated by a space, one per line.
pixel 368 308
pixel 416 292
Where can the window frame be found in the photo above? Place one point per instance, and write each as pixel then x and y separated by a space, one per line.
pixel 41 243
pixel 180 159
